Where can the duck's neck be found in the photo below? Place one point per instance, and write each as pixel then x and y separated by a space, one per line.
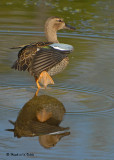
pixel 51 34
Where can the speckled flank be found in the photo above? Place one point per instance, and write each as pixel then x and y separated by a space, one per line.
pixel 59 67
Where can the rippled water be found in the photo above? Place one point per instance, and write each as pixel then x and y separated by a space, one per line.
pixel 86 87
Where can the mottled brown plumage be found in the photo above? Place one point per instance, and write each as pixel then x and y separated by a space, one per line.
pixel 36 58
pixel 26 55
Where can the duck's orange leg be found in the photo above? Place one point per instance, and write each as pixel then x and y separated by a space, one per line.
pixel 44 79
pixel 36 79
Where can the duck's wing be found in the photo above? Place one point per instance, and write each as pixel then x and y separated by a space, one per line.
pixel 38 44
pixel 26 55
pixel 45 59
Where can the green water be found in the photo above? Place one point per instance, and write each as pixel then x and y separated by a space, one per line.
pixel 85 87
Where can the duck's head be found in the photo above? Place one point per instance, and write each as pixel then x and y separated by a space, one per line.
pixel 52 25
pixel 57 23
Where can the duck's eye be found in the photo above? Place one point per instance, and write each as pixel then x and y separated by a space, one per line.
pixel 59 20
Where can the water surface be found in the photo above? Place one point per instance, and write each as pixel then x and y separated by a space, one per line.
pixel 86 87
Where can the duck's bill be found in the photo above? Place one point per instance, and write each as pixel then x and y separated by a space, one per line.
pixel 69 27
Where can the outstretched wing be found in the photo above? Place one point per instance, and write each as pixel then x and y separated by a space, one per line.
pixel 26 55
pixel 45 59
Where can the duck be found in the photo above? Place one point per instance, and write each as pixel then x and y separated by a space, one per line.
pixel 45 59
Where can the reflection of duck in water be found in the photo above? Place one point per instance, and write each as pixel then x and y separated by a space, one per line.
pixel 45 59
pixel 48 141
pixel 41 117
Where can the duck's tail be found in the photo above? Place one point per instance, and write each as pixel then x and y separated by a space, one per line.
pixel 15 65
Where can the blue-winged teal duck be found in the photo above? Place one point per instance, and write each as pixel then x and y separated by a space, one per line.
pixel 45 59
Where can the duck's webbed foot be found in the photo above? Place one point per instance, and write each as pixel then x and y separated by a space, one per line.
pixel 44 79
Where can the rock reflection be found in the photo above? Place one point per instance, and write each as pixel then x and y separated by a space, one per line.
pixel 41 117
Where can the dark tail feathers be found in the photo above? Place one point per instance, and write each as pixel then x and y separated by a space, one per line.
pixel 15 65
